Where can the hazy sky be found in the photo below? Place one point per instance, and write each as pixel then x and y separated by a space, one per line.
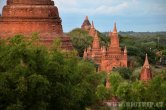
pixel 130 15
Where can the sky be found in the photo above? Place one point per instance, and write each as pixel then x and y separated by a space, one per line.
pixel 129 15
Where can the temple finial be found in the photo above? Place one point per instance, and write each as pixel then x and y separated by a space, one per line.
pixel 92 31
pixel 96 41
pixel 125 50
pixel 86 18
pixel 92 25
pixel 146 63
pixel 115 29
pixel 86 25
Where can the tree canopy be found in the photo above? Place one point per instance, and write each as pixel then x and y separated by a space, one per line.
pixel 33 77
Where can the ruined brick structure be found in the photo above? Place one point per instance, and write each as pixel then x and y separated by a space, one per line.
pixel 107 58
pixel 146 73
pixel 29 16
pixel 86 24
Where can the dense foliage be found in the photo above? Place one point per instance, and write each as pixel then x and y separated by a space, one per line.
pixel 151 43
pixel 125 82
pixel 33 77
pixel 135 92
pixel 80 40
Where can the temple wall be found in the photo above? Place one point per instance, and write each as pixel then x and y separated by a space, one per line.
pixel 29 16
pixel 30 11
pixel 24 16
pixel 31 26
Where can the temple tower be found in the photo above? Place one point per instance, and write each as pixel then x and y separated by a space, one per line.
pixel 92 30
pixel 114 45
pixel 107 58
pixel 86 24
pixel 114 37
pixel 146 73
pixel 96 42
pixel 94 51
pixel 29 16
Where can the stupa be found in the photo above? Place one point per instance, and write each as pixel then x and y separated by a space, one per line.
pixel 146 73
pixel 29 16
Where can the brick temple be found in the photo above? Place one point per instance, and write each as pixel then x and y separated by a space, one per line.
pixel 86 24
pixel 106 58
pixel 146 73
pixel 29 16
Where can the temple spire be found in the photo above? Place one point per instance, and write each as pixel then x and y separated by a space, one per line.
pixel 92 30
pixel 86 18
pixel 115 29
pixel 146 63
pixel 146 73
pixel 96 41
pixel 86 24
pixel 114 37
pixel 92 26
pixel 125 50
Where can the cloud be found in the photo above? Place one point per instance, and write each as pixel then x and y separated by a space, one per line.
pixel 103 9
pixel 87 6
pixel 156 9
pixel 92 7
pixel 109 7
pixel 129 13
pixel 112 7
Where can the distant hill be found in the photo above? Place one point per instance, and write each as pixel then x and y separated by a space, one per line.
pixel 145 36
pixel 142 34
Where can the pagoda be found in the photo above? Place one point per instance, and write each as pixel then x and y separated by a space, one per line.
pixel 86 24
pixel 29 16
pixel 146 73
pixel 107 58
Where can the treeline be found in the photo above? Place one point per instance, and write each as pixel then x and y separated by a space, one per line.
pixel 137 45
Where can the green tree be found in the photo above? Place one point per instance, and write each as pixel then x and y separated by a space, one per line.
pixel 124 72
pixel 36 78
pixel 80 40
pixel 115 79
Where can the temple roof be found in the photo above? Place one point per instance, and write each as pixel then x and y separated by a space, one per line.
pixel 96 41
pixel 146 73
pixel 115 29
pixel 92 26
pixel 146 63
pixel 92 30
pixel 114 37
pixel 86 24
